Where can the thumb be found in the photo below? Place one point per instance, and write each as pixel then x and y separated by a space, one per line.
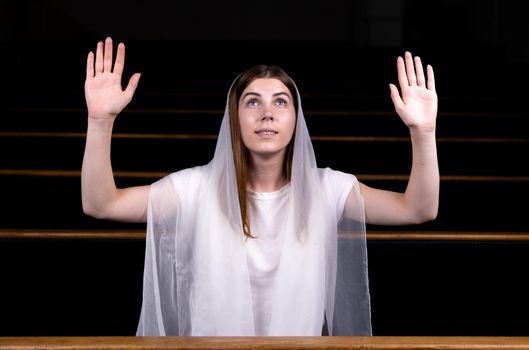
pixel 395 97
pixel 132 85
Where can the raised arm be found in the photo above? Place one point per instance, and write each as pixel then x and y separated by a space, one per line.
pixel 417 106
pixel 105 99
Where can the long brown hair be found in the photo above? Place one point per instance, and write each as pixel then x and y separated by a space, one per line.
pixel 241 156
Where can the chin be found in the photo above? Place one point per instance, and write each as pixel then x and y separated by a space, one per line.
pixel 267 152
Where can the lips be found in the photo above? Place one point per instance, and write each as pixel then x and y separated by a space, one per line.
pixel 266 132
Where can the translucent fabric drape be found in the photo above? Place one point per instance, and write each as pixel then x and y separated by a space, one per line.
pixel 196 279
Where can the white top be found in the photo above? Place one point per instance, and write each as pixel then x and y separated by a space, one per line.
pixel 197 284
pixel 268 212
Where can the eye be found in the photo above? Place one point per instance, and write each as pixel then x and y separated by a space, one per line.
pixel 252 102
pixel 281 102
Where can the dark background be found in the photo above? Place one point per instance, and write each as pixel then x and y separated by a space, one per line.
pixel 342 56
pixel 476 47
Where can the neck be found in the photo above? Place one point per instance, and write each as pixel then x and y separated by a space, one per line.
pixel 266 174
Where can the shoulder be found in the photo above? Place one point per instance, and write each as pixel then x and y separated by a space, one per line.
pixel 187 176
pixel 182 181
pixel 337 185
pixel 336 178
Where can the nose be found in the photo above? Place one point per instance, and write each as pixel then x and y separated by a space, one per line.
pixel 267 116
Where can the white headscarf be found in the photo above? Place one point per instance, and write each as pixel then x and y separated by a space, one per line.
pixel 196 278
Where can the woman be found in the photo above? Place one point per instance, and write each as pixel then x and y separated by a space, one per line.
pixel 248 244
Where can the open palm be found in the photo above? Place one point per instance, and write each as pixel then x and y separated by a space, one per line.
pixel 417 102
pixel 104 95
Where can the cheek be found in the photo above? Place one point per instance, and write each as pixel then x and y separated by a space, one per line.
pixel 245 126
pixel 291 123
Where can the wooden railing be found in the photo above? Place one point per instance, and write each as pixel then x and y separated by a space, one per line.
pixel 265 343
pixel 361 177
pixel 447 236
pixel 372 235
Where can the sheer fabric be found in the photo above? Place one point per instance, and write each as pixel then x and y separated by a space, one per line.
pixel 196 277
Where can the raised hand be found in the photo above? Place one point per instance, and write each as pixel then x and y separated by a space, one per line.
pixel 417 102
pixel 105 98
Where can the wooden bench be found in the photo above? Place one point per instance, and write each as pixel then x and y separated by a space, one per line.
pixel 371 235
pixel 265 343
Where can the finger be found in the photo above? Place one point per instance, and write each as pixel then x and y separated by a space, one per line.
pixel 419 71
pixel 120 59
pixel 395 97
pixel 431 79
pixel 410 71
pixel 90 65
pixel 99 58
pixel 132 85
pixel 401 73
pixel 107 65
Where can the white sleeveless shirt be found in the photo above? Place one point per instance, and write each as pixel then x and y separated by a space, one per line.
pixel 267 224
pixel 264 251
pixel 194 285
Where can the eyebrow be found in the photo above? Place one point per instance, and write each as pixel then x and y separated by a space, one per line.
pixel 257 94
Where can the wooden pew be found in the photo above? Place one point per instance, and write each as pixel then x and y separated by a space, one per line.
pixel 265 343
pixel 382 235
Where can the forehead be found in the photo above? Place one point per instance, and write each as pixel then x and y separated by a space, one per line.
pixel 267 86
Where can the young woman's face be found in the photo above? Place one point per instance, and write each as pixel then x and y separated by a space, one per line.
pixel 267 117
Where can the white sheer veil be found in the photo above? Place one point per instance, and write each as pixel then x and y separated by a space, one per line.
pixel 196 279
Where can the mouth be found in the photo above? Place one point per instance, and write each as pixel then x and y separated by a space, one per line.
pixel 266 132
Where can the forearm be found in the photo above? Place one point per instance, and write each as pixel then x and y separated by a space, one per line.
pixel 97 180
pixel 416 104
pixel 422 193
